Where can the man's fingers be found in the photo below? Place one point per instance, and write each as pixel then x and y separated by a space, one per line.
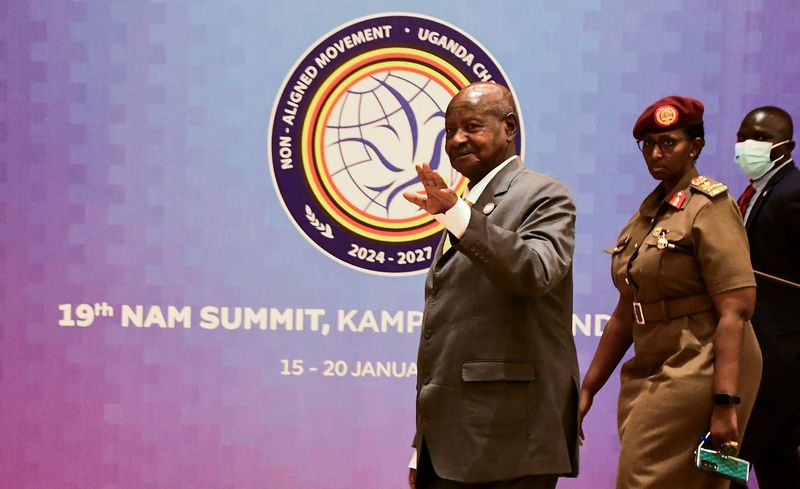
pixel 431 179
pixel 416 193
pixel 438 180
pixel 415 199
pixel 427 179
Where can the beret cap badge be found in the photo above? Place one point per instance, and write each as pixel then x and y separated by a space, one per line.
pixel 666 115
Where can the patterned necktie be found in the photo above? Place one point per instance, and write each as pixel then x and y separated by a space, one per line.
pixel 447 244
pixel 744 200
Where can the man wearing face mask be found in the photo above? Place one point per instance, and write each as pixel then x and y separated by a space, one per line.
pixel 770 206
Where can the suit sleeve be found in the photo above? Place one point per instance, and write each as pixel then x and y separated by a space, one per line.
pixel 791 216
pixel 533 258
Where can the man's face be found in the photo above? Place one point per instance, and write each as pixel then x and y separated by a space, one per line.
pixel 477 140
pixel 766 126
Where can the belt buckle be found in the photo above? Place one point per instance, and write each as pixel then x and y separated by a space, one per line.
pixel 638 313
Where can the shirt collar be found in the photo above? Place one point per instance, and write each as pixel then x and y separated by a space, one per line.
pixel 476 191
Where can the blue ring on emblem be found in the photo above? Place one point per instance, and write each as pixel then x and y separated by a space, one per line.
pixel 340 176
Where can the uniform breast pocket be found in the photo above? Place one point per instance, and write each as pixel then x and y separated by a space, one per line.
pixel 674 248
pixel 615 252
pixel 617 248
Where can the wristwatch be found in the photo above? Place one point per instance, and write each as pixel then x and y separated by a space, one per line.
pixel 726 399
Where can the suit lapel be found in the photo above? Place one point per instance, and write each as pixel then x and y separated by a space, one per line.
pixel 499 184
pixel 497 187
pixel 761 198
pixel 439 258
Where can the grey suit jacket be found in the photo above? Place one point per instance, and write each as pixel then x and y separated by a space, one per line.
pixel 498 373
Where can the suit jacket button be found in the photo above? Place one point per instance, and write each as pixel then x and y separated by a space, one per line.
pixel 428 333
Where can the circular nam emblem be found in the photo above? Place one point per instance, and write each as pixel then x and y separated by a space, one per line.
pixel 354 115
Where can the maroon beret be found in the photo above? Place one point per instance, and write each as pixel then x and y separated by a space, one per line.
pixel 673 112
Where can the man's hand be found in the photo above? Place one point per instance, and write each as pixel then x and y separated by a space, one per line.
pixel 437 196
pixel 412 478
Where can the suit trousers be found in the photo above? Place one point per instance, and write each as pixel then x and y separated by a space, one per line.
pixel 777 464
pixel 427 479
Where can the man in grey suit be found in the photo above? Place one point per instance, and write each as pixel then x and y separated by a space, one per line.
pixel 498 372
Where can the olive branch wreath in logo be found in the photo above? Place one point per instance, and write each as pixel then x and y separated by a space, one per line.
pixel 324 229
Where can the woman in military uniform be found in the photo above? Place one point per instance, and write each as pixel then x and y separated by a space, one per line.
pixel 686 294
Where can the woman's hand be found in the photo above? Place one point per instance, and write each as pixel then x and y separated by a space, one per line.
pixel 735 307
pixel 584 405
pixel 724 425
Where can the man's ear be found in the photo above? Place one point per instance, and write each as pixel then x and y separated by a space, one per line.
pixel 512 126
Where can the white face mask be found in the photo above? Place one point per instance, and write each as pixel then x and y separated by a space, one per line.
pixel 753 157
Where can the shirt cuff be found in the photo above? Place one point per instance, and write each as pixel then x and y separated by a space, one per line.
pixel 413 463
pixel 456 219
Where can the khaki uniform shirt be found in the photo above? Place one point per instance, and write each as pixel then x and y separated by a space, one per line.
pixel 680 248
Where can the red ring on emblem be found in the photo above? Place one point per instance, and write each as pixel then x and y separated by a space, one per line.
pixel 666 115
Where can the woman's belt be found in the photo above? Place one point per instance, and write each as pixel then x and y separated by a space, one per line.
pixel 653 312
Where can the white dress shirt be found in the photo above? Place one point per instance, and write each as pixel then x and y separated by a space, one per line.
pixel 456 219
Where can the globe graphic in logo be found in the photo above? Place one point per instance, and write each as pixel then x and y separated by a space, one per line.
pixel 377 130
pixel 358 111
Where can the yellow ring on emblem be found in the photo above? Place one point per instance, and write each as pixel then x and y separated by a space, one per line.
pixel 319 144
pixel 312 143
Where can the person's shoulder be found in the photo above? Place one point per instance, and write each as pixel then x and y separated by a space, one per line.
pixel 540 180
pixel 786 190
pixel 791 179
pixel 709 198
pixel 708 187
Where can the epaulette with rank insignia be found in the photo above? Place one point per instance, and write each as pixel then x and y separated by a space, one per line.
pixel 708 186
